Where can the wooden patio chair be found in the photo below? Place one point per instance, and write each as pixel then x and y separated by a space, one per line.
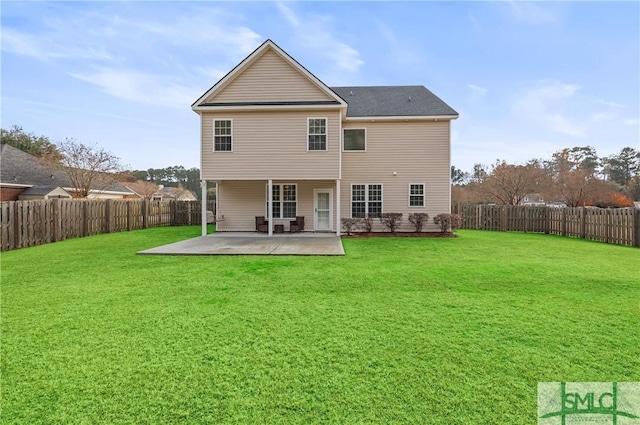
pixel 262 225
pixel 296 225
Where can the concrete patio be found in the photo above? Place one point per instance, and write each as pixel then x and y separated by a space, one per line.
pixel 249 243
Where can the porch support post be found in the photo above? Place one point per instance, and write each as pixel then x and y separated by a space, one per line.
pixel 269 207
pixel 338 222
pixel 203 188
pixel 216 203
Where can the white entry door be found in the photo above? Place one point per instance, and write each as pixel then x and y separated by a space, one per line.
pixel 323 207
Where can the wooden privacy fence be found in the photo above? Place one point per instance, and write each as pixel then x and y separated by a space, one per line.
pixel 31 223
pixel 619 226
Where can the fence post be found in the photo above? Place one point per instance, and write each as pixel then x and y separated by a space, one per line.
pixel 108 213
pixel 563 224
pixel 546 220
pixel 145 214
pixel 503 218
pixel 583 223
pixel 17 224
pixel 129 218
pixel 636 227
pixel 85 219
pixel 56 220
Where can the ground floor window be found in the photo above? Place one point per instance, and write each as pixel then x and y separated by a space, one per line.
pixel 366 199
pixel 416 195
pixel 284 200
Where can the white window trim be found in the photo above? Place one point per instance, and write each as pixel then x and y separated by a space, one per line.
pixel 365 140
pixel 366 197
pixel 266 208
pixel 424 195
pixel 213 131
pixel 326 134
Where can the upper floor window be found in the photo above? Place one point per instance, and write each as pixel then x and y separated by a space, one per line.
pixel 416 195
pixel 222 135
pixel 355 139
pixel 317 131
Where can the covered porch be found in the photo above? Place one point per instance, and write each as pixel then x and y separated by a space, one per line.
pixel 241 204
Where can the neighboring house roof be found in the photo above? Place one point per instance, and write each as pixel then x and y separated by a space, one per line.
pixel 41 190
pixel 21 169
pixel 178 193
pixel 393 101
pixel 204 103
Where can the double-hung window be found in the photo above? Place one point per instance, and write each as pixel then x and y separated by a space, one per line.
pixel 222 135
pixel 354 139
pixel 416 195
pixel 366 199
pixel 317 134
pixel 284 201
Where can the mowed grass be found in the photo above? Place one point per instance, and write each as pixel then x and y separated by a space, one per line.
pixel 399 331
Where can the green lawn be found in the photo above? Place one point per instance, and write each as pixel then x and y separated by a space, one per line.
pixel 399 331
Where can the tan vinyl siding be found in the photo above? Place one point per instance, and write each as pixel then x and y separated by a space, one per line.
pixel 271 145
pixel 418 152
pixel 239 202
pixel 270 78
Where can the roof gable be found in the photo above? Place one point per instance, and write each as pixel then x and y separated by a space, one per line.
pixel 268 76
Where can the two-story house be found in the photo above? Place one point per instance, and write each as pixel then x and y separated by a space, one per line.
pixel 280 143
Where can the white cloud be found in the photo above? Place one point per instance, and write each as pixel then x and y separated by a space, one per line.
pixel 611 104
pixel 602 116
pixel 632 121
pixel 316 35
pixel 401 50
pixel 532 13
pixel 546 104
pixel 288 14
pixel 49 46
pixel 121 55
pixel 475 23
pixel 141 87
pixel 477 92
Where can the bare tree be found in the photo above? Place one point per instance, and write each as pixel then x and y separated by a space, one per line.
pixel 508 184
pixel 88 167
pixel 146 189
pixel 575 187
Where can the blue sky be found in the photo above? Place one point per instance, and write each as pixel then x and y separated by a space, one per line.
pixel 527 78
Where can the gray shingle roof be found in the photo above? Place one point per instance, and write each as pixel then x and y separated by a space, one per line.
pixel 18 167
pixel 39 190
pixel 389 101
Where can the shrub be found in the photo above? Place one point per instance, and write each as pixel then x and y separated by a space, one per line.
pixel 367 223
pixel 418 220
pixel 391 220
pixel 448 222
pixel 350 224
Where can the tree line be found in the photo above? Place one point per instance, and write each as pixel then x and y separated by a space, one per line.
pixel 92 167
pixel 572 176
